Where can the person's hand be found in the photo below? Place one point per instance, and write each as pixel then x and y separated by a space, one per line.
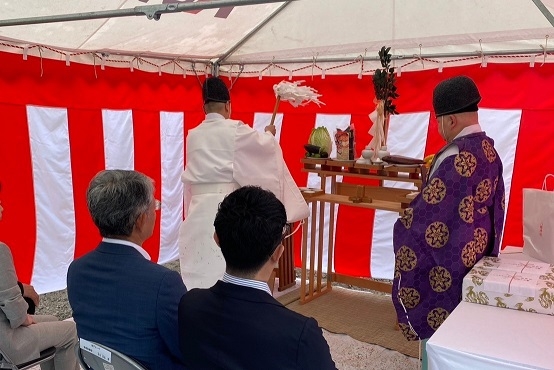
pixel 28 321
pixel 29 292
pixel 271 129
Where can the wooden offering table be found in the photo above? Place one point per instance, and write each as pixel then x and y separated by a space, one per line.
pixel 285 271
pixel 366 196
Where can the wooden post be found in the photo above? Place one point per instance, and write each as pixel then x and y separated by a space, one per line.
pixel 275 111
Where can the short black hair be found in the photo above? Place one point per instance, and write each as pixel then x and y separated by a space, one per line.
pixel 215 90
pixel 249 224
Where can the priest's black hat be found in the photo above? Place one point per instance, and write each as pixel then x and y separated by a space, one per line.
pixel 455 95
pixel 215 90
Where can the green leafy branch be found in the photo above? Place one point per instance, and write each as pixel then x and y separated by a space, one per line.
pixel 384 82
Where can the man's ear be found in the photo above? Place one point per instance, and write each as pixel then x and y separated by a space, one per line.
pixel 216 239
pixel 277 253
pixel 139 223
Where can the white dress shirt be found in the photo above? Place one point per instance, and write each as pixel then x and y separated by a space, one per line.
pixel 130 244
pixel 256 284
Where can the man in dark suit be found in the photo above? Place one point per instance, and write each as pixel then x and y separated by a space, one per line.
pixel 237 324
pixel 119 297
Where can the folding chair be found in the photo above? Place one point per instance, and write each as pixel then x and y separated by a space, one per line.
pixel 46 355
pixel 96 356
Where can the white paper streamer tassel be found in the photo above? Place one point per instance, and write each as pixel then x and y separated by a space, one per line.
pixel 484 62
pixel 296 94
pixel 377 129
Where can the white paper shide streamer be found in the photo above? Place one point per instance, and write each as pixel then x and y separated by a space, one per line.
pixel 295 94
pixel 377 130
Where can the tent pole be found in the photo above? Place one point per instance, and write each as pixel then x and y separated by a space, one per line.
pixel 251 33
pixel 544 11
pixel 394 57
pixel 215 69
pixel 151 11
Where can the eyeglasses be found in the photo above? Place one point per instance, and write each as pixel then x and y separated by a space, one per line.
pixel 157 205
pixel 286 231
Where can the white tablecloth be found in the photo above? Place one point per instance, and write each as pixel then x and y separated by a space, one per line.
pixel 485 337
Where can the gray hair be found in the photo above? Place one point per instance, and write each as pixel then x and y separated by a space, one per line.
pixel 116 199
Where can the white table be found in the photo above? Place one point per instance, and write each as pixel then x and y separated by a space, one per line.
pixel 485 337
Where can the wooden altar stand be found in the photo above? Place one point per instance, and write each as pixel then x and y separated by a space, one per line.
pixel 285 270
pixel 345 194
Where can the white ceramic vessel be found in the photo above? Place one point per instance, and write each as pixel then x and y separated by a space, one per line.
pixel 383 152
pixel 367 153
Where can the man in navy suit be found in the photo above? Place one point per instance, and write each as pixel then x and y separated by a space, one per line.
pixel 237 324
pixel 119 297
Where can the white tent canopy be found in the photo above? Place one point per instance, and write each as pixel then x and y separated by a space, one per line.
pixel 283 38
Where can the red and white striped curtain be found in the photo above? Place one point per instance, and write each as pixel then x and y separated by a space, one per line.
pixel 61 125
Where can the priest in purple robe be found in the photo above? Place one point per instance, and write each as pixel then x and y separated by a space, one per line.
pixel 455 220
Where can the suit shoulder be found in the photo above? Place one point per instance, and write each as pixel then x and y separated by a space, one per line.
pixel 5 252
pixel 161 269
pixel 196 294
pixel 292 316
pixel 4 249
pixel 81 259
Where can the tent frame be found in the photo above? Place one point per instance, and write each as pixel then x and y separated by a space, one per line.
pixel 154 12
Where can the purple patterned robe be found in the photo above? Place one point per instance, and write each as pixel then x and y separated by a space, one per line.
pixel 455 220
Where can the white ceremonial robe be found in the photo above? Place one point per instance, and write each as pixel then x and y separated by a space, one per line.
pixel 223 155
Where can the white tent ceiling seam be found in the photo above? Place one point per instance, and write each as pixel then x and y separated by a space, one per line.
pixel 284 38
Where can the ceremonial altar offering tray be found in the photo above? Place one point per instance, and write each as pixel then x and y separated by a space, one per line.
pixel 308 193
pixel 375 194
pixel 517 284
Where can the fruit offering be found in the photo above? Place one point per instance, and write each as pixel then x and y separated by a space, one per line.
pixel 319 144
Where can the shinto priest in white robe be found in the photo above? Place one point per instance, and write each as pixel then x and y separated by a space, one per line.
pixel 223 155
